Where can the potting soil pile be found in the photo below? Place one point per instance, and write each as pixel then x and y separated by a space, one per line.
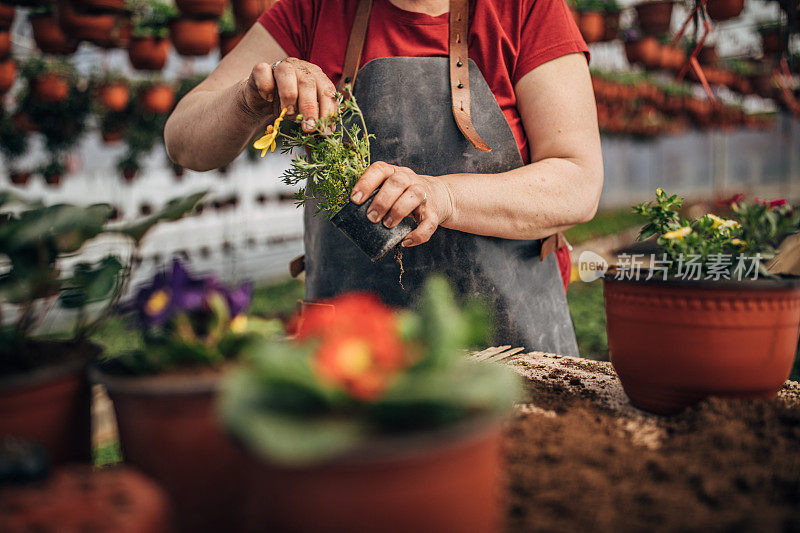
pixel 580 457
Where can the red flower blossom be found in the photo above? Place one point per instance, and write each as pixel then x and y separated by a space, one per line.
pixel 360 350
pixel 735 199
pixel 779 202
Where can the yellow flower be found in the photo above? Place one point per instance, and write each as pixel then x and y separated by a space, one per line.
pixel 660 191
pixel 157 302
pixel 717 220
pixel 678 234
pixel 239 324
pixel 267 142
pixel 729 224
pixel 740 243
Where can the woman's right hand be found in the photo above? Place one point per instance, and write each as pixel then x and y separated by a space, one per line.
pixel 301 87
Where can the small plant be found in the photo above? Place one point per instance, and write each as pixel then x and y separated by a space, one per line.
pixel 754 233
pixel 363 372
pixel 151 18
pixel 227 23
pixel 338 154
pixel 190 321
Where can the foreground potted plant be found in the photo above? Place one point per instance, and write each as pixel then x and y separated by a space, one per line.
pixel 706 318
pixel 372 421
pixel 164 392
pixel 44 395
pixel 332 166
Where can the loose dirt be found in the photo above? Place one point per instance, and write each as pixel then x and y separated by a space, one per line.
pixel 580 457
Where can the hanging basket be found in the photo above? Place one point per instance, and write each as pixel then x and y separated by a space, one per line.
pixel 49 36
pixel 114 96
pixel 194 37
pixel 8 75
pixel 720 10
pixel 592 25
pixel 148 53
pixel 120 36
pixel 50 88
pixel 201 8
pixel 85 26
pixel 158 98
pixel 655 17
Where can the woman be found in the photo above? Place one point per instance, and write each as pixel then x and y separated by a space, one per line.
pixel 490 142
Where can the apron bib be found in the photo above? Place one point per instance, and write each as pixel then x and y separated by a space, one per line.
pixel 407 106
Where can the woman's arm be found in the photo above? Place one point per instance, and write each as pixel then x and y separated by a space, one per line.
pixel 560 188
pixel 212 124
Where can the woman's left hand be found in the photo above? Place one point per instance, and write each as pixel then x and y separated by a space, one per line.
pixel 403 193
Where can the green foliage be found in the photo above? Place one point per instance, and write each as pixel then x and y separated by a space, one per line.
pixel 587 308
pixel 13 142
pixel 335 161
pixel 142 130
pixel 151 18
pixel 227 23
pixel 279 407
pixel 603 224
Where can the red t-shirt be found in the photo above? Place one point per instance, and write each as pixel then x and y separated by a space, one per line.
pixel 507 39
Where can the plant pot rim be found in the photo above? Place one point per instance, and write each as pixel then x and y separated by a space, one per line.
pixel 760 284
pixel 50 371
pixel 382 449
pixel 173 382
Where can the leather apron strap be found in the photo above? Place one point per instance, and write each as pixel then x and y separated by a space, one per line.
pixel 459 69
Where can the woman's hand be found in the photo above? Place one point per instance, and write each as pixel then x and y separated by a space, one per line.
pixel 302 88
pixel 403 193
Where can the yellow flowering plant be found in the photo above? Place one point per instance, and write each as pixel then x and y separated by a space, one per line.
pixel 755 230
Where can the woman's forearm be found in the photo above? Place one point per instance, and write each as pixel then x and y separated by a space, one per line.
pixel 209 128
pixel 530 202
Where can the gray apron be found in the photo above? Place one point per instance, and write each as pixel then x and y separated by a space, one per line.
pixel 407 106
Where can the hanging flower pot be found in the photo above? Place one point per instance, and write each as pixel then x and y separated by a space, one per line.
pixel 770 39
pixel 20 178
pixel 114 96
pixel 248 11
pixel 655 16
pixel 53 179
pixel 201 8
pixel 50 87
pixel 194 37
pixel 5 44
pixel 8 75
pixel 611 25
pixel 592 25
pixel 148 53
pixel 7 13
pixel 100 5
pixel 228 42
pixel 85 26
pixel 111 136
pixel 158 98
pixel 646 51
pixel 120 36
pixel 49 36
pixel 721 10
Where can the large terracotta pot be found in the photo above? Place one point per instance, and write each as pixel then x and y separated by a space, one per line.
pixel 7 13
pixel 8 75
pixel 81 498
pixel 50 405
pixel 720 10
pixel 148 53
pixel 248 11
pixel 655 16
pixel 592 25
pixel 201 8
pixel 673 343
pixel 114 96
pixel 85 26
pixel 168 429
pixel 440 481
pixel 158 98
pixel 50 88
pixel 194 37
pixel 49 36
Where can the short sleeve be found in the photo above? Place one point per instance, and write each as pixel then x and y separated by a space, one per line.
pixel 549 32
pixel 291 23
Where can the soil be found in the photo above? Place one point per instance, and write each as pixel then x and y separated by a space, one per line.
pixel 582 458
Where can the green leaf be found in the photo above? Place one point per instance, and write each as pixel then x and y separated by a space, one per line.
pixel 90 284
pixel 174 210
pixel 67 226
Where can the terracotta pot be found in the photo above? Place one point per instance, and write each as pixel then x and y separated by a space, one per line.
pixel 445 481
pixel 201 8
pixel 158 98
pixel 120 36
pixel 5 44
pixel 148 53
pixel 7 16
pixel 20 178
pixel 229 42
pixel 129 173
pixel 50 405
pixel 49 36
pixel 111 137
pixel 85 26
pixel 24 123
pixel 53 179
pixel 673 343
pixel 592 25
pixel 81 498
pixel 100 5
pixel 655 16
pixel 192 37
pixel 50 88
pixel 8 75
pixel 720 10
pixel 646 51
pixel 770 42
pixel 611 26
pixel 174 415
pixel 248 11
pixel 114 96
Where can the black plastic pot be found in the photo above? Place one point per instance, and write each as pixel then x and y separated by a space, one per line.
pixel 373 238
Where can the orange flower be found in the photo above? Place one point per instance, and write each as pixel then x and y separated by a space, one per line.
pixel 360 349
